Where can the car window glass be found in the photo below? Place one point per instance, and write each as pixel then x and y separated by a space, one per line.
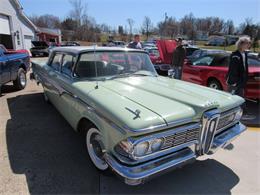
pixel 253 61
pixel 220 61
pixel 204 61
pixel 107 64
pixel 196 54
pixel 67 64
pixel 56 62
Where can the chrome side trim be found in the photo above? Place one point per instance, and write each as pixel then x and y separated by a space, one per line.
pixel 134 175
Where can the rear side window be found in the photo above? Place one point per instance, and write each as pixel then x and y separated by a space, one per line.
pixel 67 64
pixel 56 61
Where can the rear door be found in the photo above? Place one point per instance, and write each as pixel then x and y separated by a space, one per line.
pixel 52 88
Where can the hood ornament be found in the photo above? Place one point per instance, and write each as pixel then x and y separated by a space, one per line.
pixel 136 112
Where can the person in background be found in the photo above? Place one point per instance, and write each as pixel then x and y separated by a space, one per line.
pixel 136 44
pixel 178 57
pixel 237 75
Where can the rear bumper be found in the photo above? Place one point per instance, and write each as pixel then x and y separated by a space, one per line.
pixel 138 174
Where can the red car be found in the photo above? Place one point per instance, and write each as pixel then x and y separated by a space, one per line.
pixel 211 70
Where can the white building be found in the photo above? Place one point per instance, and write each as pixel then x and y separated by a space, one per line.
pixel 16 30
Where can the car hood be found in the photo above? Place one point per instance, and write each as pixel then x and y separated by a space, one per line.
pixel 166 48
pixel 158 99
pixel 40 44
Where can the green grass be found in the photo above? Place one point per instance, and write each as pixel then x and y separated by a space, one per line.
pixel 228 48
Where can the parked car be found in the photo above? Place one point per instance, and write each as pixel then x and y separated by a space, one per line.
pixel 13 67
pixel 70 43
pixel 135 122
pixel 211 70
pixel 190 49
pixel 41 48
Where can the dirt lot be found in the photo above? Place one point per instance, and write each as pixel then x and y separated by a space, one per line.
pixel 40 153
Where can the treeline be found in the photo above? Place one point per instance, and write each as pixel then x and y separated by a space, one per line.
pixel 78 25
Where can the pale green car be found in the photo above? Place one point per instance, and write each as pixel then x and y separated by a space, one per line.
pixel 135 122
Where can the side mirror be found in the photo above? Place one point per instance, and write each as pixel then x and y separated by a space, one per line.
pixel 187 61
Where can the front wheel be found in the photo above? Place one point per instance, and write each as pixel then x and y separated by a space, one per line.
pixel 95 148
pixel 21 80
pixel 215 84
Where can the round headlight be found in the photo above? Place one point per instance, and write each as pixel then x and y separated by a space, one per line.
pixel 157 144
pixel 239 114
pixel 141 149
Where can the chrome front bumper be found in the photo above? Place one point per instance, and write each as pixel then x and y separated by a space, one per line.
pixel 137 174
pixel 226 137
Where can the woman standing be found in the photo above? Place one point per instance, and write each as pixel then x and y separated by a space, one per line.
pixel 238 67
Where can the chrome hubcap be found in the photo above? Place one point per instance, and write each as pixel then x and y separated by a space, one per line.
pixel 23 79
pixel 213 85
pixel 93 141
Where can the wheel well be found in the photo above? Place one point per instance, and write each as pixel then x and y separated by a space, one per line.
pixel 214 79
pixel 83 123
pixel 23 67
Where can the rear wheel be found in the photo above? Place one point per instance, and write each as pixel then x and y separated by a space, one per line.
pixel 21 80
pixel 215 84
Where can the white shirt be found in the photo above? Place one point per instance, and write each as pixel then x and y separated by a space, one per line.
pixel 244 58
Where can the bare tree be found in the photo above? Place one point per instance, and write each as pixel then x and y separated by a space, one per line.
pixel 130 22
pixel 46 21
pixel 147 26
pixel 79 10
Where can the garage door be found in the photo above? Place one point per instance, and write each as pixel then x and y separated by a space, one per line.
pixel 4 25
pixel 28 42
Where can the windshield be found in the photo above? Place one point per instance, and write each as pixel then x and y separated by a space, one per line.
pixel 113 64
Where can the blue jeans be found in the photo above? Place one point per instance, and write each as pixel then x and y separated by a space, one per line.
pixel 178 72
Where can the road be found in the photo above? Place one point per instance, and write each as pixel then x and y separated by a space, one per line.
pixel 40 153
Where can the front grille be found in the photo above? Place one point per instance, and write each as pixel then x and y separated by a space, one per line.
pixel 180 138
pixel 226 119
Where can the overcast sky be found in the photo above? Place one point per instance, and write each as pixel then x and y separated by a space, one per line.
pixel 115 12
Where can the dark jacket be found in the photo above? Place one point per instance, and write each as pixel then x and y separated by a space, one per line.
pixel 178 56
pixel 237 72
pixel 133 45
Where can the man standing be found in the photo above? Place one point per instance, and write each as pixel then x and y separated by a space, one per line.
pixel 136 44
pixel 238 67
pixel 178 58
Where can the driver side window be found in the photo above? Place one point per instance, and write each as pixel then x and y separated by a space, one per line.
pixel 204 61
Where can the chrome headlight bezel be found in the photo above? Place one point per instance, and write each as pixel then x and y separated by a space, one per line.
pixel 131 148
pixel 239 114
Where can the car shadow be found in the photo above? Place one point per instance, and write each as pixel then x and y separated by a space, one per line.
pixel 202 177
pixel 253 113
pixel 8 88
pixel 43 146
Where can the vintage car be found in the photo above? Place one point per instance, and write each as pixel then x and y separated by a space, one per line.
pixel 135 122
pixel 211 70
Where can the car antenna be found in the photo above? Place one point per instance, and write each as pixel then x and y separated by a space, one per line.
pixel 95 61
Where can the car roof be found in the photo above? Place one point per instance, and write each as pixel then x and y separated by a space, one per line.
pixel 81 49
